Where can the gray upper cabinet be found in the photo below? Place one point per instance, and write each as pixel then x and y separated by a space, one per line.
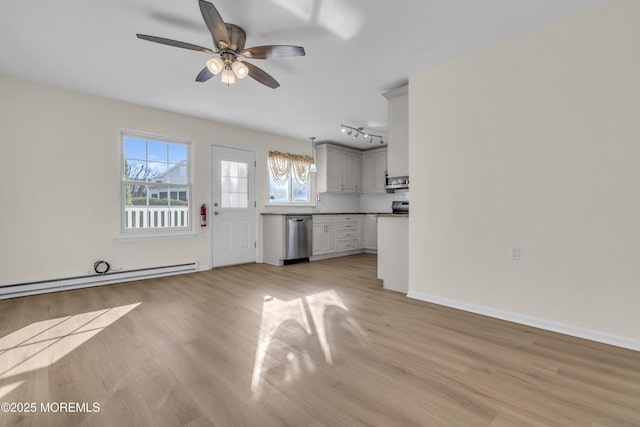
pixel 374 167
pixel 342 170
pixel 398 138
pixel 339 169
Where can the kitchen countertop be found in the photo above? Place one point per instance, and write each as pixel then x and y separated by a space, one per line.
pixel 392 215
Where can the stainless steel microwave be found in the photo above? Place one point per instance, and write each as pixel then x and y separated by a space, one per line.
pixel 397 183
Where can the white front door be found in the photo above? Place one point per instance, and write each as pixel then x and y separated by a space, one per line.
pixel 233 210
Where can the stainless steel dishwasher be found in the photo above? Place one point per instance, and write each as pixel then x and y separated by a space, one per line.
pixel 299 232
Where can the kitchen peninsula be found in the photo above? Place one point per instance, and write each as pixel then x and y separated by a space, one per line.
pixel 393 251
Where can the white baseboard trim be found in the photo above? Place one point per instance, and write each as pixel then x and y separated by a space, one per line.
pixel 618 341
pixel 336 254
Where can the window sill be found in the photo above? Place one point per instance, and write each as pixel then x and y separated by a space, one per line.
pixel 155 236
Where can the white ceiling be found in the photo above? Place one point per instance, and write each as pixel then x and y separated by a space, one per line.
pixel 356 50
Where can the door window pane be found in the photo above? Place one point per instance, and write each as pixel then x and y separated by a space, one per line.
pixel 233 184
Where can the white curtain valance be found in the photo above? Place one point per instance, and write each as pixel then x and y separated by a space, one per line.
pixel 281 165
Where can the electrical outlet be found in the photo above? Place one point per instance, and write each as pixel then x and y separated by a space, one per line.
pixel 515 253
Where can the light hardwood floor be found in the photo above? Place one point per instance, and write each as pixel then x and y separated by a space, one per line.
pixel 319 344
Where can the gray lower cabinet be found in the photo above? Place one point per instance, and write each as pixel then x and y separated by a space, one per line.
pixel 333 234
pixel 361 221
pixel 324 238
pixel 346 233
pixel 371 238
pixel 273 239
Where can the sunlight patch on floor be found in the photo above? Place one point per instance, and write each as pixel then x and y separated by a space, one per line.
pixel 309 313
pixel 41 344
pixel 8 388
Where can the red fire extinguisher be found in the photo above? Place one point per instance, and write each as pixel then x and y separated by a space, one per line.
pixel 203 215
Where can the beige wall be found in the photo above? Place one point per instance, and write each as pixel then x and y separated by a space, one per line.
pixel 534 142
pixel 60 172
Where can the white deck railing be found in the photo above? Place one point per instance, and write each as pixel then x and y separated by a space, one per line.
pixel 156 216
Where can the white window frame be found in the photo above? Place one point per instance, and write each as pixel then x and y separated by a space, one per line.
pixel 289 202
pixel 156 231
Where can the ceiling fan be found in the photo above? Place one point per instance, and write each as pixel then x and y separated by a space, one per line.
pixel 228 42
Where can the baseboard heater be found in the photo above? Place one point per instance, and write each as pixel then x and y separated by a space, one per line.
pixel 55 285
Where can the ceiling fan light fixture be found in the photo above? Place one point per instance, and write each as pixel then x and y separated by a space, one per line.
pixel 228 77
pixel 215 65
pixel 240 70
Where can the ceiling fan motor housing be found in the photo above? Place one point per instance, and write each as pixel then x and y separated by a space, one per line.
pixel 237 37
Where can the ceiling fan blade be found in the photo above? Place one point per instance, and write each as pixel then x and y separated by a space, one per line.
pixel 174 43
pixel 259 75
pixel 215 24
pixel 204 75
pixel 272 51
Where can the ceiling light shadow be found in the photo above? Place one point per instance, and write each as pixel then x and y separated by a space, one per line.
pixel 303 9
pixel 340 18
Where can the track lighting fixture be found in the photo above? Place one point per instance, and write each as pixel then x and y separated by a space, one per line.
pixel 356 132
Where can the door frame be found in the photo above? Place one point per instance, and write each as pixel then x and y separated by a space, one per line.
pixel 210 207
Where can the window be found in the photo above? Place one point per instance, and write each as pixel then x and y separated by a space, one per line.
pixel 156 189
pixel 234 178
pixel 289 178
